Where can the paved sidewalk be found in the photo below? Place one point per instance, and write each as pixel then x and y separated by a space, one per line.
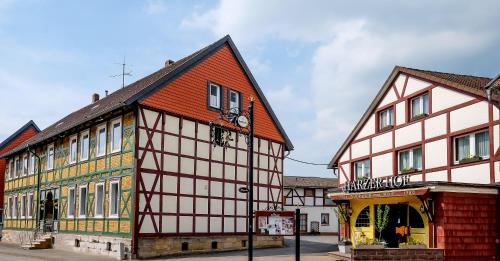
pixel 14 252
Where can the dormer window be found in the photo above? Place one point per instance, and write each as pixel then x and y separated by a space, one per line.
pixel 386 119
pixel 419 106
pixel 215 96
pixel 234 102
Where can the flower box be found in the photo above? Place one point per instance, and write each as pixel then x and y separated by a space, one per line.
pixel 470 159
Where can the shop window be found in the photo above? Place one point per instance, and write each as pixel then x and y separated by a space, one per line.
pixel 416 220
pixel 410 160
pixel 362 169
pixel 386 119
pixel 473 146
pixel 363 219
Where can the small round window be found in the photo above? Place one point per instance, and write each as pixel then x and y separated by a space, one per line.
pixel 363 219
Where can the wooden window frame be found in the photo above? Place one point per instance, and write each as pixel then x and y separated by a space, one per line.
pixel 99 153
pixel 71 203
pixel 423 114
pixel 117 214
pixel 50 161
pixel 379 120
pixel 73 138
pixel 103 185
pixel 32 159
pixel 239 101
pixel 80 188
pixel 220 104
pixel 82 142
pixel 31 198
pixel 472 145
pixel 410 150
pixel 112 134
pixel 363 168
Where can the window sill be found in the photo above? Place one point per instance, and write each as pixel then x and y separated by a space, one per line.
pixel 409 171
pixel 419 117
pixel 471 162
pixel 386 129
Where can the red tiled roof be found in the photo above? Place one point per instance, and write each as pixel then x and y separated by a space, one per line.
pixel 313 182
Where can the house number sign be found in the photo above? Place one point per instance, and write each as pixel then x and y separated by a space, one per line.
pixel 394 182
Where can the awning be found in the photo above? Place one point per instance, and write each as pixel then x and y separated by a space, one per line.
pixel 380 194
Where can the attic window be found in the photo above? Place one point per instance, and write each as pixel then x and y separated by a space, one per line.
pixel 215 96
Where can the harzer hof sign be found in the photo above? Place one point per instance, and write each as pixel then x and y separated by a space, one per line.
pixel 393 182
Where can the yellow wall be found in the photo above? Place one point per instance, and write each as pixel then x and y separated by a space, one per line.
pixel 420 234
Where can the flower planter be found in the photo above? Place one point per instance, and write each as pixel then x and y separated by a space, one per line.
pixel 370 246
pixel 345 249
pixel 471 159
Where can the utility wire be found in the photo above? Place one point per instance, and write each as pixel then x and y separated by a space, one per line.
pixel 305 162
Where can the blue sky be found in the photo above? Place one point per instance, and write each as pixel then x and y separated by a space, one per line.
pixel 319 63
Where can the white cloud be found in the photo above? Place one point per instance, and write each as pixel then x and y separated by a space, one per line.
pixel 258 66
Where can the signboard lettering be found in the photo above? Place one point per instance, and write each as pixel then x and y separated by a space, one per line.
pixel 393 182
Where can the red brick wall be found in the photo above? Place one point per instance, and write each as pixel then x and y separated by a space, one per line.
pixel 466 225
pixel 18 140
pixel 397 254
pixel 187 94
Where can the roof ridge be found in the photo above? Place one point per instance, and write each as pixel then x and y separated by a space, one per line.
pixel 431 71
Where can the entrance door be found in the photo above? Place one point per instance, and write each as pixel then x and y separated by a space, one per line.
pixel 397 228
pixel 303 223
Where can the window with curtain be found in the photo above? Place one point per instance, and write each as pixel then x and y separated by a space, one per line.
pixel 362 169
pixel 472 145
pixel 420 105
pixel 410 159
pixel 386 119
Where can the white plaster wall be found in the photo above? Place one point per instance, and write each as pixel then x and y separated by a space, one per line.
pixel 382 165
pixel 382 142
pixel 347 170
pixel 416 178
pixel 435 126
pixel 443 98
pixel 314 214
pixel 169 224
pixel 203 132
pixel 400 82
pixel 415 85
pixel 172 124
pixel 436 154
pixel 188 128
pixel 497 171
pixel 389 97
pixel 409 134
pixel 170 143
pixel 469 116
pixel 400 113
pixel 367 129
pixel 360 149
pixel 345 155
pixel 472 174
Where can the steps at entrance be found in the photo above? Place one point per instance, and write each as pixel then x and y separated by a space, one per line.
pixel 45 242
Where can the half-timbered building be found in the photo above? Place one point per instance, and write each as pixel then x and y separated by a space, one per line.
pixel 22 134
pixel 310 195
pixel 136 172
pixel 427 149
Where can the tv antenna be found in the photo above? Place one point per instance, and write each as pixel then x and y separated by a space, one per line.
pixel 123 74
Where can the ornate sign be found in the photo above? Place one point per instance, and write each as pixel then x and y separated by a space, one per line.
pixel 399 181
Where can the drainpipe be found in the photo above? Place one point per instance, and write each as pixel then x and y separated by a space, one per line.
pixel 39 169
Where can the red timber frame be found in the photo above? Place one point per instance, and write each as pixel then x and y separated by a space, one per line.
pixel 449 135
pixel 273 183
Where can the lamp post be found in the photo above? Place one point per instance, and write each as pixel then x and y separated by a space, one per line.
pixel 250 179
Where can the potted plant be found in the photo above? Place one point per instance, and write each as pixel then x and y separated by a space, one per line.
pixel 372 244
pixel 413 244
pixel 345 246
pixel 382 221
pixel 470 158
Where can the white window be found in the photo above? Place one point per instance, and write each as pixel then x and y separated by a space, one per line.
pixel 71 203
pixel 362 169
pixel 17 167
pixel 99 200
pixel 82 203
pixel 214 96
pixel 234 102
pixel 420 106
pixel 73 148
pixel 50 157
pixel 410 159
pixel 84 145
pixel 16 207
pixel 30 205
pixel 12 169
pixel 116 135
pixel 25 165
pixel 114 198
pixel 10 207
pixel 32 164
pixel 23 206
pixel 386 119
pixel 101 140
pixel 472 146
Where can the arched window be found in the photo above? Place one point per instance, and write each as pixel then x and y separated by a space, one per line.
pixel 363 219
pixel 415 219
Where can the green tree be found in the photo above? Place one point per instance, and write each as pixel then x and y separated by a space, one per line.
pixel 382 220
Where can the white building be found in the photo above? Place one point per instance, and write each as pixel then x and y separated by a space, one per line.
pixel 310 195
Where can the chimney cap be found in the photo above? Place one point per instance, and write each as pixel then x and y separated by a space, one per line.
pixel 95 97
pixel 169 62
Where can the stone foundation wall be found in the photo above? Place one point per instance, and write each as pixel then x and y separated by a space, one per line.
pixel 406 254
pixel 90 244
pixel 168 246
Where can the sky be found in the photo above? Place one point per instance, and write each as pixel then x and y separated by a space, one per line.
pixel 319 63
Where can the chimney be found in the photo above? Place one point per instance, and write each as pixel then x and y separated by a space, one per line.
pixel 169 62
pixel 106 91
pixel 95 97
